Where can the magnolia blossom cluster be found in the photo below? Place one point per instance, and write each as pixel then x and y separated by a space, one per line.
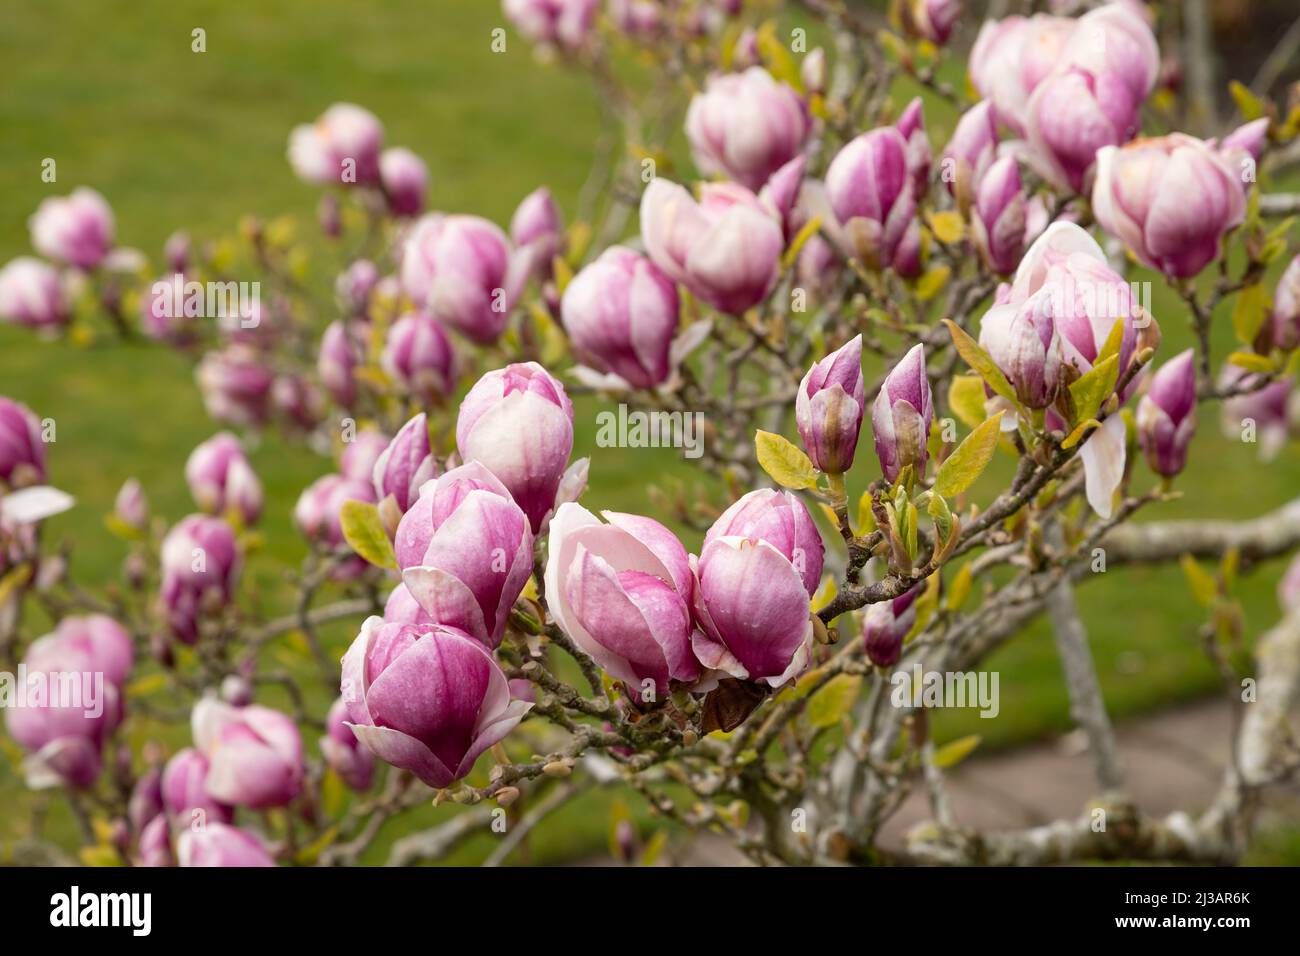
pixel 76 233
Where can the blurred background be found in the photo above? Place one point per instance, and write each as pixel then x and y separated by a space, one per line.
pixel 175 139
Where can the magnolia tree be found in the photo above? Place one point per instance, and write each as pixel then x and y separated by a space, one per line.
pixel 514 650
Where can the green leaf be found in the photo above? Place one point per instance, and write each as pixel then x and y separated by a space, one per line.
pixel 364 531
pixel 979 360
pixel 1251 309
pixel 1204 588
pixel 830 704
pixel 963 466
pixel 309 854
pixel 954 752
pixel 785 462
pixel 1094 387
pixel 941 515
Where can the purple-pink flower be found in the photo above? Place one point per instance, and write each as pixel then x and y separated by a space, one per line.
pixel 75 229
pixel 426 699
pixel 726 248
pixel 32 294
pixel 621 315
pixel 518 421
pixel 623 592
pixel 1170 200
pixel 901 417
pixel 746 126
pixel 466 550
pixel 830 405
pixel 1166 416
pixel 870 187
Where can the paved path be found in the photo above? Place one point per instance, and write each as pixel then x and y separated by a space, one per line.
pixel 1172 760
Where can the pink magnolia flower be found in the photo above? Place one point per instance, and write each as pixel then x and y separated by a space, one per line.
pixel 1170 200
pixel 426 699
pixel 746 126
pixel 970 152
pixel 421 359
pixel 1011 57
pixel 518 421
pixel 219 844
pixel 621 315
pixel 22 452
pixel 623 592
pixel 932 20
pixel 75 229
pixel 32 294
pixel 185 794
pixel 564 23
pixel 869 185
pixel 466 551
pixel 343 753
pixel 885 625
pixel 760 562
pixel 1073 114
pixel 236 386
pixel 318 513
pixel 405 464
pixel 901 416
pixel 461 270
pixel 220 478
pixel 341 147
pixel 84 662
pixel 200 565
pixel 254 753
pixel 829 407
pixel 726 248
pixel 1166 416
pixel 405 180
pixel 336 363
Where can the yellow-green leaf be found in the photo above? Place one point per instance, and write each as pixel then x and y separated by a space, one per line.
pixel 364 531
pixel 966 399
pixel 866 517
pixel 948 226
pixel 963 466
pixel 1204 588
pixel 1251 309
pixel 786 463
pixel 1094 387
pixel 932 283
pixel 960 588
pixel 954 752
pixel 983 365
pixel 1252 362
pixel 797 243
pixel 1250 105
pixel 830 704
pixel 146 686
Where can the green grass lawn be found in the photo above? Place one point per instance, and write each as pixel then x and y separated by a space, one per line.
pixel 175 138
